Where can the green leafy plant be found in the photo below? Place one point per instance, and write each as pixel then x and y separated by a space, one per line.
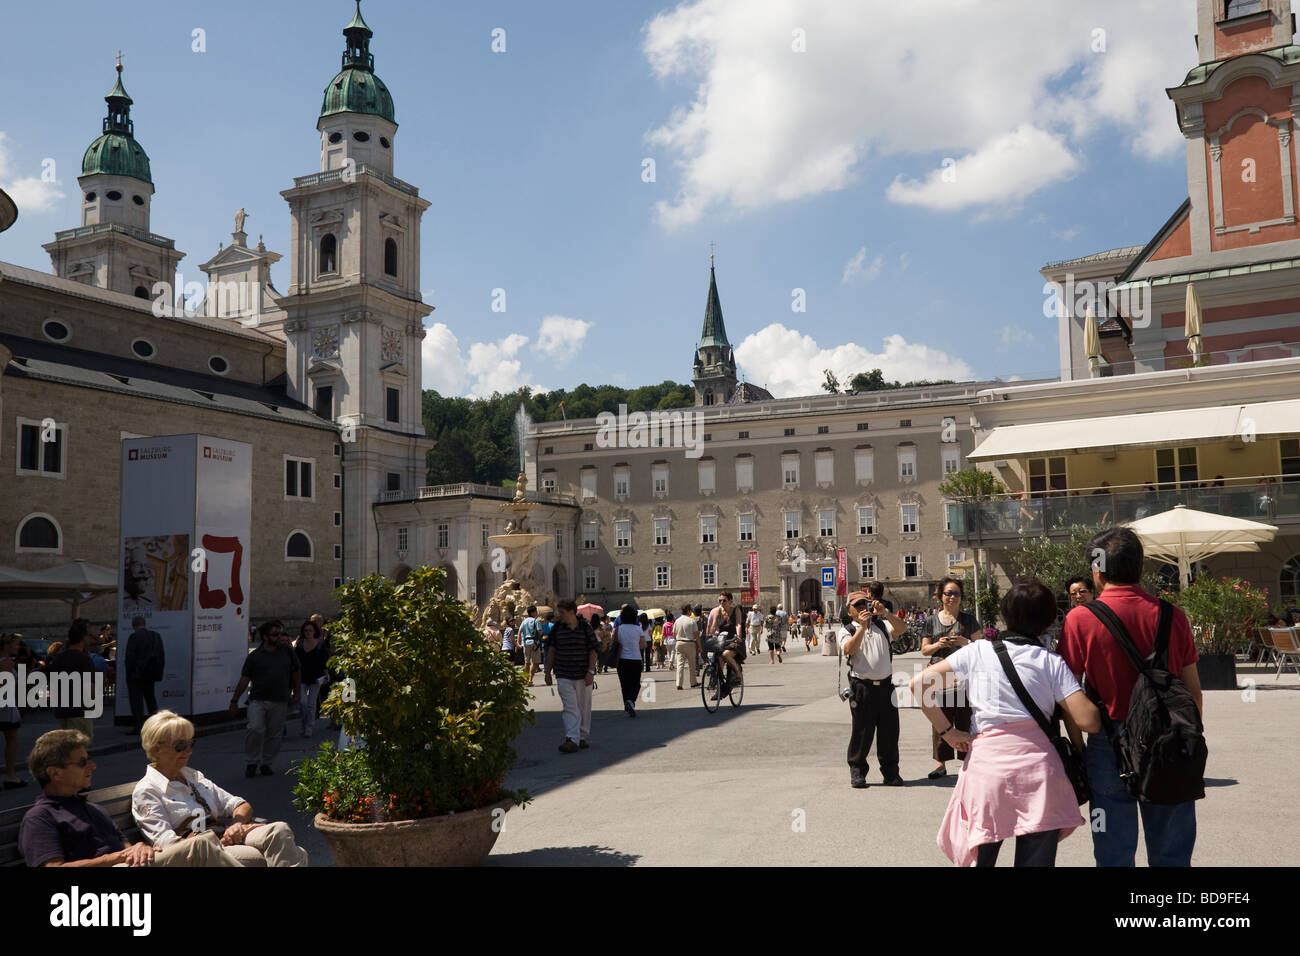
pixel 1227 610
pixel 436 706
pixel 971 484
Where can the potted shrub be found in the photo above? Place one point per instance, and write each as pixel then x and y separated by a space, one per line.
pixel 1227 610
pixel 436 709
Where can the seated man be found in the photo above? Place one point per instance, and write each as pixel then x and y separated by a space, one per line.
pixel 63 829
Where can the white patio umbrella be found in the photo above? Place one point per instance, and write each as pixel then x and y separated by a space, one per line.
pixel 71 583
pixel 1192 323
pixel 1091 342
pixel 1183 536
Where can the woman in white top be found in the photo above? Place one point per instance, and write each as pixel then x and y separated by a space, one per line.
pixel 174 802
pixel 1012 782
pixel 631 642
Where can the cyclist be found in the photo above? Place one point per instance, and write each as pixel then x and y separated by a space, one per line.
pixel 727 619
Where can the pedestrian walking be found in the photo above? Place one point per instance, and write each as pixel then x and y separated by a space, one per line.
pixel 630 635
pixel 1013 782
pixel 571 657
pixel 73 659
pixel 773 625
pixel 687 632
pixel 806 630
pixel 273 680
pixel 144 665
pixel 647 640
pixel 949 629
pixel 755 623
pixel 871 702
pixel 531 642
pixel 312 654
pixel 670 639
pixel 1094 654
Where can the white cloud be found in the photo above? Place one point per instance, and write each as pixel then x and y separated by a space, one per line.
pixel 1012 337
pixel 765 124
pixel 443 365
pixel 786 362
pixel 495 367
pixel 904 260
pixel 30 194
pixel 559 337
pixel 854 265
pixel 1065 234
pixel 858 265
pixel 1006 170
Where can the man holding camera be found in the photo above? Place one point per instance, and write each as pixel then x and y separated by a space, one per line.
pixel 871 692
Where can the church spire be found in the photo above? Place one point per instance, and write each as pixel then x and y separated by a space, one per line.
pixel 714 372
pixel 714 332
pixel 119 103
pixel 358 55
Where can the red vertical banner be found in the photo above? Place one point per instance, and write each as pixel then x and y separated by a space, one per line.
pixel 753 577
pixel 842 572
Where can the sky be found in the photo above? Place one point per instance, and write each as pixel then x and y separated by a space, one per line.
pixel 880 182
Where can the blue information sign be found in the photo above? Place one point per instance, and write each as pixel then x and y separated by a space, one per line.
pixel 828 577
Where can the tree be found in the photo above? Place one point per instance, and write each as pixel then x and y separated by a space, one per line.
pixel 873 381
pixel 971 484
pixel 832 383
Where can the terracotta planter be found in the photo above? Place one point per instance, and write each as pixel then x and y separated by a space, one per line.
pixel 460 839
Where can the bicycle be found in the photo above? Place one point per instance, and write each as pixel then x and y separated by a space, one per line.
pixel 905 643
pixel 714 684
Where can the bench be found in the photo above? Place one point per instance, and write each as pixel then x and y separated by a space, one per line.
pixel 116 802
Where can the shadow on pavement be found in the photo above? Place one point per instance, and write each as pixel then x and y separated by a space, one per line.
pixel 564 856
pixel 1222 782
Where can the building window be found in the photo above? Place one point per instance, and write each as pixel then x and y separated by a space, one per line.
pixel 624 578
pixel 403 538
pixel 745 473
pixel 589 535
pixel 659 479
pixel 1289 582
pixel 864 465
pixel 791 524
pixel 709 575
pixel 338 583
pixel 746 527
pixel 743 436
pixel 589 579
pixel 661 532
pixel 789 432
pixel 325 401
pixel 394 404
pixel 708 436
pixel 588 447
pixel 1289 453
pixel 951 461
pixel 1242 8
pixel 906 463
pixel 866 521
pixel 826 523
pixel 444 536
pixel 338 519
pixel 297 547
pixel 548 483
pixel 587 481
pixel 548 450
pixel 863 426
pixel 905 423
pixel 744 573
pixel 1175 467
pixel 1046 474
pixel 908 518
pixel 622 482
pixel 662 576
pixel 823 429
pixel 328 254
pixel 218 365
pixel 956 557
pixel 297 478
pixel 867 567
pixel 824 463
pixel 40 448
pixel 338 450
pixel 790 471
pixel 39 532
pixel 952 516
pixel 622 534
pixel 708 529
pixel 559 541
pixel 485 529
pixel 911 565
pixel 143 348
pixel 338 480
pixel 708 477
pixel 394 481
pixel 390 257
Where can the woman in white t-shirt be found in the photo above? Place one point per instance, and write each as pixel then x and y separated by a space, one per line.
pixel 631 643
pixel 1012 782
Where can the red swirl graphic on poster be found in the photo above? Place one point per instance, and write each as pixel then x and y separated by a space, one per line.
pixel 753 577
pixel 842 572
pixel 213 599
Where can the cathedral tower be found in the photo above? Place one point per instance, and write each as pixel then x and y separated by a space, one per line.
pixel 715 367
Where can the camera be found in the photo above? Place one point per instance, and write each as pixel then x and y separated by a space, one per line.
pixel 846 693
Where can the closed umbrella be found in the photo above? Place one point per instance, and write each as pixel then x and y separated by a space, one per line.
pixel 1183 536
pixel 1092 342
pixel 1192 323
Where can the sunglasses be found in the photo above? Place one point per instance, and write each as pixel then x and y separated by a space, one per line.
pixel 183 745
pixel 77 763
pixel 861 605
pixel 952 594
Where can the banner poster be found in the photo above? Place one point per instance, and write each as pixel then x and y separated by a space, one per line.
pixel 842 572
pixel 753 576
pixel 154 581
pixel 222 566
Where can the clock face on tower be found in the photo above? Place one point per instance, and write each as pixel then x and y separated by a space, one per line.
pixel 390 349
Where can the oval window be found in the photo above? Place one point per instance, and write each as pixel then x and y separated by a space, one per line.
pixel 383 141
pixel 90 197
pixel 361 136
pixel 56 331
pixel 218 365
pixel 336 137
pixel 113 194
pixel 142 348
pixel 137 200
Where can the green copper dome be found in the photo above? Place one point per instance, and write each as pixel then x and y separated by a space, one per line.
pixel 356 89
pixel 116 152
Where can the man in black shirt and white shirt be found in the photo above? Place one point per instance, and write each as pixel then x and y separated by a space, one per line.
pixel 871 701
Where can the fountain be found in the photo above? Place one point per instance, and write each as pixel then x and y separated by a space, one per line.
pixel 520 589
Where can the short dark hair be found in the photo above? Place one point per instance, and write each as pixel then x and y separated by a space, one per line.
pixel 568 604
pixel 53 749
pixel 78 630
pixel 1078 579
pixel 949 579
pixel 1117 554
pixel 627 615
pixel 264 629
pixel 532 608
pixel 876 590
pixel 137 621
pixel 727 595
pixel 1028 608
pixel 686 609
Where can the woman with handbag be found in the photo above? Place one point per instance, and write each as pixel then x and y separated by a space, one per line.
pixel 1014 781
pixel 947 630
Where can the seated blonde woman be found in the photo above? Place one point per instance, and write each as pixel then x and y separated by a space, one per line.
pixel 174 802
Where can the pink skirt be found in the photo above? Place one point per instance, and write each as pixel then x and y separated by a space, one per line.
pixel 1012 783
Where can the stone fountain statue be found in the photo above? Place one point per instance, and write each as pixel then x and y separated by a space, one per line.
pixel 518 545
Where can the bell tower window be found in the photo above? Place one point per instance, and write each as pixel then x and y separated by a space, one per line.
pixel 328 254
pixel 390 257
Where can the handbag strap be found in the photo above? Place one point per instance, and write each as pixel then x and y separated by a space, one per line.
pixel 1019 687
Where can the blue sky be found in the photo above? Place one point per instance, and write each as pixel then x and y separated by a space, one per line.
pixel 805 138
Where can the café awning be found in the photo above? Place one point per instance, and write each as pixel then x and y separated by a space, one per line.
pixel 1141 430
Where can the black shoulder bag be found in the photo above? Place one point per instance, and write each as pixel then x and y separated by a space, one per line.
pixel 1073 761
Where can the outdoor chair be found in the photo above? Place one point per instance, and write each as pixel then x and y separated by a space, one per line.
pixel 1262 645
pixel 1286 646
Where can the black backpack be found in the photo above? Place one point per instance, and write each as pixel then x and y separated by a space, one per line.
pixel 1161 755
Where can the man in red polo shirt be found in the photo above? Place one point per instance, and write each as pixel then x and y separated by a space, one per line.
pixel 1091 652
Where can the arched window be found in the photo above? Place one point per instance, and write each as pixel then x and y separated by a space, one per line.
pixel 38 532
pixel 1242 8
pixel 708 397
pixel 1289 582
pixel 141 292
pixel 298 547
pixel 390 257
pixel 328 253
